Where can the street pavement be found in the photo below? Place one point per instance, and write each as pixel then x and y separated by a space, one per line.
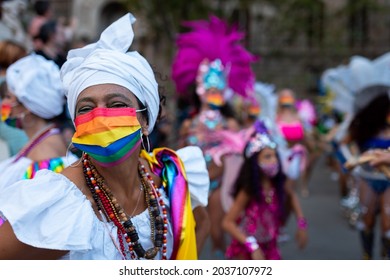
pixel 331 237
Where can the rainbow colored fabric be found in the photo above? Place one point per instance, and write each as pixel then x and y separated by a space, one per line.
pixel 215 99
pixel 53 164
pixel 166 164
pixel 5 111
pixel 108 135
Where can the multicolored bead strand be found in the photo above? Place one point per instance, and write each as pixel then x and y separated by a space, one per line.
pixel 107 203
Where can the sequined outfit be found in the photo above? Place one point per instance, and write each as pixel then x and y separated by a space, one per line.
pixel 261 220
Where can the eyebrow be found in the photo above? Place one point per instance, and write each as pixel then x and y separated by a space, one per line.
pixel 107 97
pixel 120 95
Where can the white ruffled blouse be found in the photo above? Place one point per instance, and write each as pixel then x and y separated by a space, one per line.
pixel 51 212
pixel 11 172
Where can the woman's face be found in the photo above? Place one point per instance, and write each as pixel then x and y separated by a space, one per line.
pixel 286 99
pixel 267 156
pixel 108 96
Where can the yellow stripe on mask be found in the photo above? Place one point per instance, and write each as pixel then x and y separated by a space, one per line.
pixel 105 138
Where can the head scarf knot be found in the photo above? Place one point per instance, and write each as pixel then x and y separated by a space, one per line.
pixel 108 62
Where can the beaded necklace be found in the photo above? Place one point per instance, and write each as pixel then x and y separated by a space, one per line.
pixel 126 231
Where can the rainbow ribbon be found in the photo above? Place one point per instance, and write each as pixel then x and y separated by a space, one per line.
pixel 166 164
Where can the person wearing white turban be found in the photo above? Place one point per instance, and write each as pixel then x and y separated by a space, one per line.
pixel 139 206
pixel 36 83
pixel 33 98
pixel 108 61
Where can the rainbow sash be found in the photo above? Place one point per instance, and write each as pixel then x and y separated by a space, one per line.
pixel 166 164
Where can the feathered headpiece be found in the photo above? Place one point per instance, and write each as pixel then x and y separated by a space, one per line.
pixel 259 141
pixel 346 84
pixel 212 42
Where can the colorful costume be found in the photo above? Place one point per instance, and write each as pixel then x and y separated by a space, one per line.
pixel 210 56
pixel 260 220
pixel 72 225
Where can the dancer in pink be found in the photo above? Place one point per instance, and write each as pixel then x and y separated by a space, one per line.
pixel 256 215
pixel 209 67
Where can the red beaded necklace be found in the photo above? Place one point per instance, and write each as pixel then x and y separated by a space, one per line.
pixel 126 231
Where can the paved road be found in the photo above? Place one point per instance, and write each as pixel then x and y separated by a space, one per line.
pixel 330 236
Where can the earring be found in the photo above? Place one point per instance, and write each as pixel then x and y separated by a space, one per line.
pixel 147 140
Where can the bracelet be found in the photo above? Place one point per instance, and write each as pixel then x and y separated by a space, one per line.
pixel 251 244
pixel 302 223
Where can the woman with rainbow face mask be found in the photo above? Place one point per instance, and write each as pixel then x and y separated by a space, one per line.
pixel 12 138
pixel 33 98
pixel 119 201
pixel 210 66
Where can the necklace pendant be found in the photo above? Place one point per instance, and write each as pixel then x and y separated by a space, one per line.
pixel 151 253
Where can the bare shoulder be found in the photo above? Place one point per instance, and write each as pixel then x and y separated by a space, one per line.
pixel 233 124
pixel 75 174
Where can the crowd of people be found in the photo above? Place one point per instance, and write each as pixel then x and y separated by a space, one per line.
pixel 83 176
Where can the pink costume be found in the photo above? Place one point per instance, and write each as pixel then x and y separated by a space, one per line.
pixel 211 56
pixel 261 220
pixel 292 132
pixel 294 159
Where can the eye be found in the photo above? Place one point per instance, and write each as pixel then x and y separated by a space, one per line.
pixel 84 109
pixel 118 105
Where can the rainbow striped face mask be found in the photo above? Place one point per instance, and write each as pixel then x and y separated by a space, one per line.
pixel 215 100
pixel 108 135
pixel 11 121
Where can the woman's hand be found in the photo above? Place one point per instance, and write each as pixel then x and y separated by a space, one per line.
pixel 380 157
pixel 257 255
pixel 301 237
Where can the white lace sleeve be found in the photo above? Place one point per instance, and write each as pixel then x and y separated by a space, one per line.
pixel 197 174
pixel 49 212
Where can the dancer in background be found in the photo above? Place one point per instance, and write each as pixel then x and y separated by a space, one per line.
pixel 256 215
pixel 210 66
pixel 291 127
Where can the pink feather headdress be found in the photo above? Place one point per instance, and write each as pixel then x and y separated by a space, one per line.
pixel 210 41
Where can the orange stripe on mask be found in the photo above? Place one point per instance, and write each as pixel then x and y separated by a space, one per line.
pixel 100 124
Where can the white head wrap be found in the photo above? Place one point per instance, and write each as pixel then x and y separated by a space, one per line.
pixel 109 62
pixel 36 83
